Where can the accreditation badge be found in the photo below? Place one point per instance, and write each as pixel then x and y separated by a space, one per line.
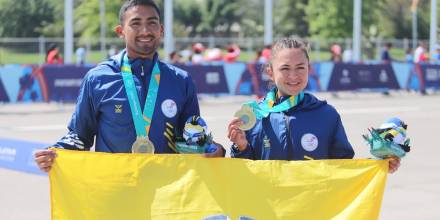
pixel 247 116
pixel 142 145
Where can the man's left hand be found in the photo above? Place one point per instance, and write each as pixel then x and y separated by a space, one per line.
pixel 220 152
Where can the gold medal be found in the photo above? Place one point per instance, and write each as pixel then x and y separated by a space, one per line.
pixel 247 116
pixel 142 145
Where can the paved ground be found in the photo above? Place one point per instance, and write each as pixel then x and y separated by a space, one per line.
pixel 411 193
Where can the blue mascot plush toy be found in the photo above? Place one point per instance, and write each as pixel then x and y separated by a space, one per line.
pixel 389 139
pixel 195 137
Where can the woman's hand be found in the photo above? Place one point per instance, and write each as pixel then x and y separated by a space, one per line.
pixel 393 164
pixel 236 135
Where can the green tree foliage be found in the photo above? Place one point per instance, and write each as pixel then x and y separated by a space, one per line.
pixel 87 18
pixel 223 18
pixel 218 17
pixel 55 28
pixel 291 18
pixel 397 22
pixel 252 20
pixel 187 17
pixel 24 18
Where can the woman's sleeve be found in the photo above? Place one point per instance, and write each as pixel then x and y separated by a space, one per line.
pixel 340 147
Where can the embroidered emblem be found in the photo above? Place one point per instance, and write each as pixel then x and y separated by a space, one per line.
pixel 266 141
pixel 309 142
pixel 118 108
pixel 169 108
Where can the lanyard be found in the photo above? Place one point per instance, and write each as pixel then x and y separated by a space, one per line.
pixel 142 121
pixel 267 106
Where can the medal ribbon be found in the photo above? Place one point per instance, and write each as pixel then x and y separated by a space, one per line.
pixel 263 109
pixel 142 121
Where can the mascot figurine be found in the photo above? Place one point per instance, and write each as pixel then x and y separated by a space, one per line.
pixel 389 139
pixel 195 138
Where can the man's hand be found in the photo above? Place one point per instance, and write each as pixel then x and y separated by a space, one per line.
pixel 217 153
pixel 44 159
pixel 393 164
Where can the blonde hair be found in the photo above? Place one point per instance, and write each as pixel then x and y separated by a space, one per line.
pixel 288 43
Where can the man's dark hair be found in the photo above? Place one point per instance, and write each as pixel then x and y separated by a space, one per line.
pixel 131 3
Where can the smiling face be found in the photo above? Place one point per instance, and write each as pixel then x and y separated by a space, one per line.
pixel 289 70
pixel 142 31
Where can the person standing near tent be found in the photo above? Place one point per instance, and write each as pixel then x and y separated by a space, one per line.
pixel 112 93
pixel 298 125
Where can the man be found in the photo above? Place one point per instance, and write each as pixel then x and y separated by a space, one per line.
pixel 420 53
pixel 103 109
pixel 385 55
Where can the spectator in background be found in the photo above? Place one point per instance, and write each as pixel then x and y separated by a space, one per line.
pixel 53 56
pixel 347 55
pixel 420 53
pixel 259 57
pixel 175 58
pixel 265 53
pixel 80 56
pixel 233 52
pixel 112 51
pixel 197 56
pixel 437 55
pixel 409 58
pixel 213 55
pixel 335 51
pixel 385 55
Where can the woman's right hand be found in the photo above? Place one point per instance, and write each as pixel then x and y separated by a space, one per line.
pixel 44 159
pixel 236 135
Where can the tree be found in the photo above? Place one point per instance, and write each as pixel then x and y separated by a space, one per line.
pixel 397 19
pixel 187 17
pixel 20 21
pixel 218 17
pixel 291 18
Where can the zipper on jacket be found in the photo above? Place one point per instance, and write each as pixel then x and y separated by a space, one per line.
pixel 289 140
pixel 142 67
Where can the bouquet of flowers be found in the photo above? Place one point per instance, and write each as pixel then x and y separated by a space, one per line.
pixel 195 137
pixel 389 139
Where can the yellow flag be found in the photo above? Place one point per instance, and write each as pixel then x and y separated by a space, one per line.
pixel 88 185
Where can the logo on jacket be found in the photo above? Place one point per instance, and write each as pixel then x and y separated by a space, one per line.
pixel 266 141
pixel 309 142
pixel 169 108
pixel 118 108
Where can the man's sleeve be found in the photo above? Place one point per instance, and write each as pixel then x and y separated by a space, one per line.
pixel 83 124
pixel 340 148
pixel 191 106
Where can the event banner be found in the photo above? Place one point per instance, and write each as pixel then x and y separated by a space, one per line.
pixel 348 76
pixel 3 96
pixel 90 185
pixel 431 75
pixel 208 79
pixel 63 81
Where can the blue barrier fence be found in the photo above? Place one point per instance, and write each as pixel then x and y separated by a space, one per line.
pixel 31 83
pixel 19 155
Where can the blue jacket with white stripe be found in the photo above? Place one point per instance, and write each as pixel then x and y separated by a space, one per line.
pixel 310 130
pixel 103 110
